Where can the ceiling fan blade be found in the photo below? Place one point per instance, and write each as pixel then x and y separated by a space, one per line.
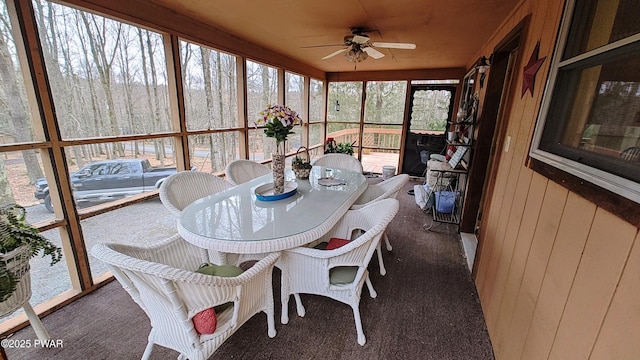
pixel 373 52
pixel 317 46
pixel 334 54
pixel 390 45
pixel 360 39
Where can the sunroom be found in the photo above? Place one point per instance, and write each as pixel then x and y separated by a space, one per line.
pixel 549 213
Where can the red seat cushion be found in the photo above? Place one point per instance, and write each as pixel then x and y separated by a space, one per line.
pixel 205 321
pixel 335 243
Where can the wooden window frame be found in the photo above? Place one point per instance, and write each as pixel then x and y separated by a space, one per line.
pixel 614 193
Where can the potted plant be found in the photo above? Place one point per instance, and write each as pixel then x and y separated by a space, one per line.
pixel 331 146
pixel 19 242
pixel 301 165
pixel 345 148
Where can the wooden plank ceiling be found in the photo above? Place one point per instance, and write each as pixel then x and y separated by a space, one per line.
pixel 447 34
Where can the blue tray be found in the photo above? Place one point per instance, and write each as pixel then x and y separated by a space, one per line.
pixel 265 192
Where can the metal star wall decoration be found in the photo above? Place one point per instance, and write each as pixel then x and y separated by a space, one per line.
pixel 530 70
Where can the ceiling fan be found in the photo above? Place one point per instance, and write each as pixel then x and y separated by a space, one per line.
pixel 358 47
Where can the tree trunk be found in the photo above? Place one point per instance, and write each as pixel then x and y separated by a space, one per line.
pixel 17 112
pixel 6 194
pixel 156 109
pixel 205 55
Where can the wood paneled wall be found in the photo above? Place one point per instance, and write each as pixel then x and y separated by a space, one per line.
pixel 558 277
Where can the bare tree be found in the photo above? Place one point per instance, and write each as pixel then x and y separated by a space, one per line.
pixel 20 120
pixel 98 30
pixel 159 143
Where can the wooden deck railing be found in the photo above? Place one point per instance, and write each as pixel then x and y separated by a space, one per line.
pixel 383 139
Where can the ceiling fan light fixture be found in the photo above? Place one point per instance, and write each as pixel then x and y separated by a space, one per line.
pixel 355 54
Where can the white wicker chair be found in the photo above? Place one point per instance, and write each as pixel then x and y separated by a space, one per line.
pixel 240 171
pixel 183 188
pixel 386 189
pixel 308 270
pixel 161 279
pixel 341 161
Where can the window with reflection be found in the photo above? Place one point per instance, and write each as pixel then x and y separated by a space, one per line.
pixel 590 122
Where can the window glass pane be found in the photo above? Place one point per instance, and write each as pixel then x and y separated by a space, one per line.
pixel 315 134
pixel 385 102
pixel 138 167
pixel 210 88
pixel 16 123
pixel 316 108
pixel 212 152
pixel 262 89
pixel 594 116
pixel 107 78
pixel 349 97
pixel 430 110
pixel 153 224
pixel 344 133
pixel 600 22
pixel 47 281
pixel 21 173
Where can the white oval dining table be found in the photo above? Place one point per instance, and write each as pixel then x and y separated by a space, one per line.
pixel 235 221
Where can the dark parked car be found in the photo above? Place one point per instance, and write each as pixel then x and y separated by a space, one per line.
pixel 108 180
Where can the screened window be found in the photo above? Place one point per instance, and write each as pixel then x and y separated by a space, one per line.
pixel 590 121
pixel 294 85
pixel 262 90
pixel 107 78
pixel 210 86
pixel 344 111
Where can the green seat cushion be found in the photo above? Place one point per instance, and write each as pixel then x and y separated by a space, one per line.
pixel 220 270
pixel 342 274
pixel 205 322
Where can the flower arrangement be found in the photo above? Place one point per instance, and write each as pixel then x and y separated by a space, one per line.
pixel 278 120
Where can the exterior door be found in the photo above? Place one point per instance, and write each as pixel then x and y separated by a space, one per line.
pixel 430 111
